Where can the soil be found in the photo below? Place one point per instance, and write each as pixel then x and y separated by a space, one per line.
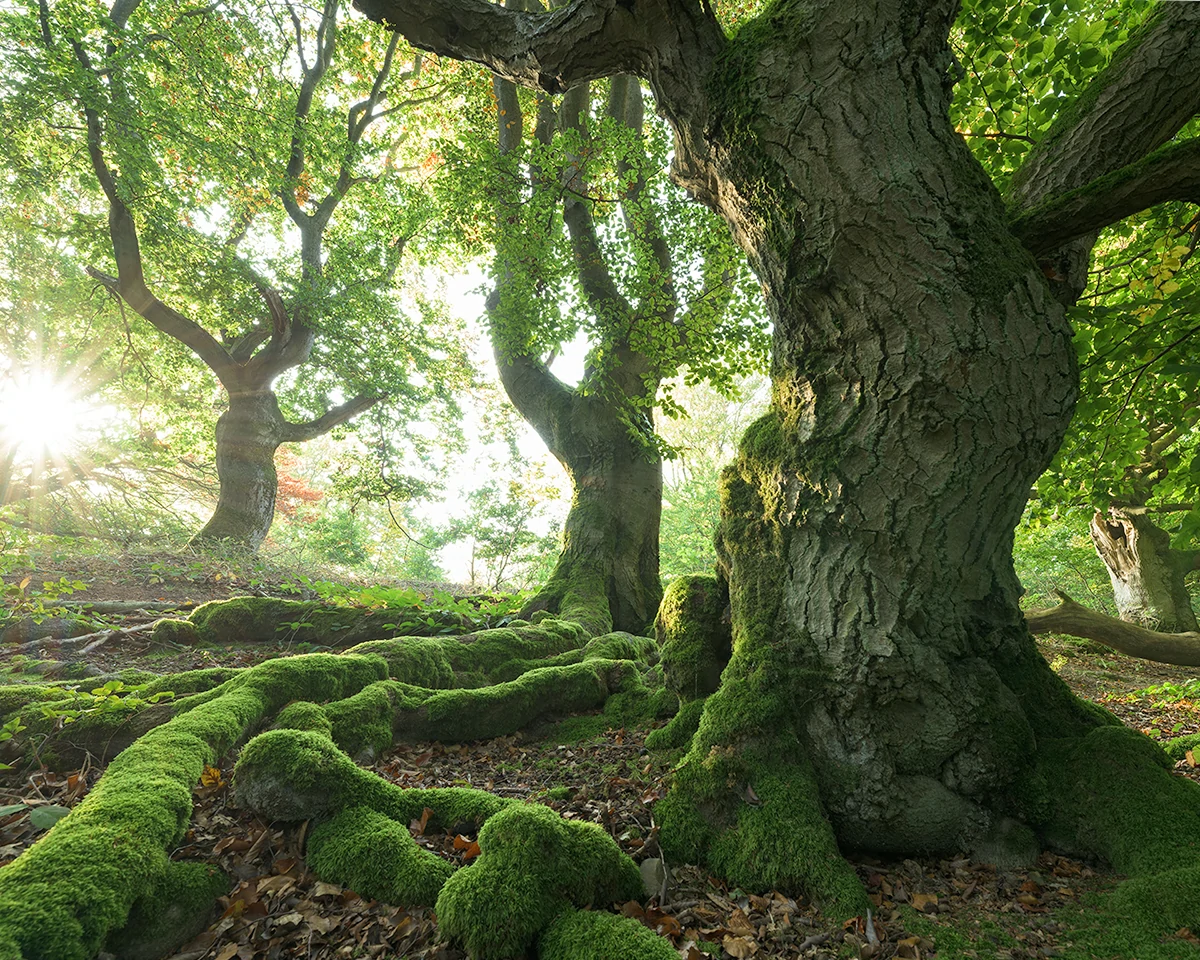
pixel 277 909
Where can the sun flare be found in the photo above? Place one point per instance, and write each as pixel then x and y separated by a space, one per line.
pixel 41 415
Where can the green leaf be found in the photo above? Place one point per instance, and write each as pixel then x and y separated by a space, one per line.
pixel 43 818
pixel 12 808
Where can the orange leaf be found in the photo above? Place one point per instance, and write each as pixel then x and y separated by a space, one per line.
pixel 924 901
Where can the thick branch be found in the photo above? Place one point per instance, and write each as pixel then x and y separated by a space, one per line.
pixel 1075 620
pixel 1130 109
pixel 299 432
pixel 583 40
pixel 602 293
pixel 1170 173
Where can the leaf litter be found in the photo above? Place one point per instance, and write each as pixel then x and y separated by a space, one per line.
pixel 278 909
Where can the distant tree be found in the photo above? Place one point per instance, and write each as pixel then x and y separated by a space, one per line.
pixel 259 189
pixel 704 441
pixel 651 281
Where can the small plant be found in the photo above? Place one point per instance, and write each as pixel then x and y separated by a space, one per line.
pixel 38 605
pixel 1168 692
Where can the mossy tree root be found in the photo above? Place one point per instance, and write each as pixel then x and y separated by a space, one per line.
pixel 533 864
pixel 745 801
pixel 472 661
pixel 269 620
pixel 374 718
pixel 1111 795
pixel 61 898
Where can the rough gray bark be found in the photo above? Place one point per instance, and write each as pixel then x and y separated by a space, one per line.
pixel 1147 575
pixel 923 377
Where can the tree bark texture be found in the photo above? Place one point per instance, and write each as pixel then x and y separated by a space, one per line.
pixel 248 434
pixel 1147 575
pixel 882 676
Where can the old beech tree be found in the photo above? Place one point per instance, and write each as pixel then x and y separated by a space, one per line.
pixel 883 680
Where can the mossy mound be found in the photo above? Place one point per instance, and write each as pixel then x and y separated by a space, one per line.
pixel 179 906
pixel 694 635
pixel 533 864
pixel 679 729
pixel 592 935
pixel 376 857
pixel 179 632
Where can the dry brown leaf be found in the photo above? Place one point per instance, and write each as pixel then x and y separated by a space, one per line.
pixel 740 947
pixel 925 902
pixel 740 924
pixel 228 952
pixel 323 889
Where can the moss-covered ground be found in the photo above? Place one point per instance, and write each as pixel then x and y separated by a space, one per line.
pixel 286 890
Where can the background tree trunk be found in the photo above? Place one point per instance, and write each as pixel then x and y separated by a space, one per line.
pixel 1147 575
pixel 610 538
pixel 248 434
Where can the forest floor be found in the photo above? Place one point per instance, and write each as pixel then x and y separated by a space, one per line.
pixel 932 908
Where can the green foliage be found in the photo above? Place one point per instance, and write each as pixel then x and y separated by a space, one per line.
pixel 1021 62
pixel 1057 554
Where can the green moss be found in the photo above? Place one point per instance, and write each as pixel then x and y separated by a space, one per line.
pixel 303 715
pixel 15 696
pixel 592 935
pixel 418 661
pixel 679 730
pixel 302 775
pixel 532 865
pixel 178 632
pixel 376 857
pixel 363 723
pixel 1177 749
pixel 179 905
pixel 621 646
pixel 63 896
pixel 694 636
pixel 507 707
pixel 266 619
pixel 745 799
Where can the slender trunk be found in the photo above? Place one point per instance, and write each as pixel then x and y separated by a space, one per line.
pixel 923 378
pixel 248 433
pixel 1147 575
pixel 607 574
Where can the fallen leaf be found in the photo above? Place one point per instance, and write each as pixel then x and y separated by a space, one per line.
pixel 740 947
pixel 924 902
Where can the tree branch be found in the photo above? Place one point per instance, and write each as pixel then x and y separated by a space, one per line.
pixel 1128 110
pixel 583 40
pixel 1075 620
pixel 300 432
pixel 1170 173
pixel 601 291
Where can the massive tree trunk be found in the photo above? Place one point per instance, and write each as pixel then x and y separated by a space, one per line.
pixel 248 434
pixel 883 690
pixel 1147 575
pixel 923 378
